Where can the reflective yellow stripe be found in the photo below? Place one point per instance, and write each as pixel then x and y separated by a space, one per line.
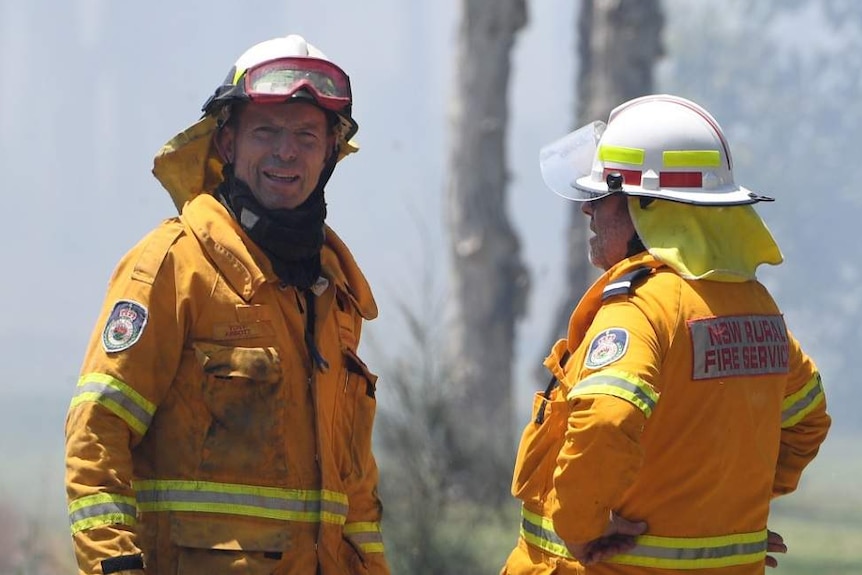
pixel 304 505
pixel 100 510
pixel 622 155
pixel 117 397
pixel 659 552
pixel 801 403
pixel 691 158
pixel 695 552
pixel 366 535
pixel 618 384
pixel 539 532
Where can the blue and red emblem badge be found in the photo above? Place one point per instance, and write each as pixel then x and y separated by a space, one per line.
pixel 607 347
pixel 125 326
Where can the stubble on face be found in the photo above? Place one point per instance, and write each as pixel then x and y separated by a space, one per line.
pixel 278 150
pixel 612 227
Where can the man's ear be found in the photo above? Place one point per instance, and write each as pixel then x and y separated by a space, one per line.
pixel 224 141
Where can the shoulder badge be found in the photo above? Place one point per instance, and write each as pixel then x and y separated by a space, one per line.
pixel 607 347
pixel 125 326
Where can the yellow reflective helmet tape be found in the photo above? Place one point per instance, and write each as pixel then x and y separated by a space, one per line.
pixel 237 74
pixel 801 403
pixel 539 532
pixel 695 552
pixel 310 506
pixel 622 155
pixel 101 509
pixel 659 552
pixel 691 159
pixel 366 535
pixel 618 384
pixel 117 397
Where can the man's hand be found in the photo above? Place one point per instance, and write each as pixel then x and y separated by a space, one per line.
pixel 619 537
pixel 774 544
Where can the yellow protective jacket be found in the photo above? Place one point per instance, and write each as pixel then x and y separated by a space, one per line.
pixel 202 435
pixel 685 404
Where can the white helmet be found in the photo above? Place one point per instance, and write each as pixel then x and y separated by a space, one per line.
pixel 283 68
pixel 657 146
pixel 271 71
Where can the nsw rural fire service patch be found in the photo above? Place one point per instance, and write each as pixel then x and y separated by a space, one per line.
pixel 742 345
pixel 125 326
pixel 607 347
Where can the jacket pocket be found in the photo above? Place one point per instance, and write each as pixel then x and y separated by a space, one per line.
pixel 260 364
pixel 241 389
pixel 208 546
pixel 358 406
pixel 540 444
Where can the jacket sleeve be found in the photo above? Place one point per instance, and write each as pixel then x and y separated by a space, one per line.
pixel 598 462
pixel 130 361
pixel 609 406
pixel 365 511
pixel 363 524
pixel 364 517
pixel 804 421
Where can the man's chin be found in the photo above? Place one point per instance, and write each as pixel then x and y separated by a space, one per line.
pixel 598 263
pixel 280 198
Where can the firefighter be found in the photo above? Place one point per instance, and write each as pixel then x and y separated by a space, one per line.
pixel 679 403
pixel 222 420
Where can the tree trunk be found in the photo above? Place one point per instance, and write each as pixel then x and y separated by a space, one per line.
pixel 619 44
pixel 489 279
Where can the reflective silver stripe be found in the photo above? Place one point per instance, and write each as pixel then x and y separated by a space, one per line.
pixel 366 535
pixel 101 509
pixel 616 288
pixel 623 284
pixel 660 552
pixel 801 403
pixel 538 531
pixel 116 396
pixel 694 554
pixel 618 384
pixel 248 500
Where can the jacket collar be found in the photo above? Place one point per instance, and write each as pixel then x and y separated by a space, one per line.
pixel 246 267
pixel 590 303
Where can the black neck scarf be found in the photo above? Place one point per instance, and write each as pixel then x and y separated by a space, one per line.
pixel 292 239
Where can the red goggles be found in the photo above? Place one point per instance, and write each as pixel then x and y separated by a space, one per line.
pixel 277 80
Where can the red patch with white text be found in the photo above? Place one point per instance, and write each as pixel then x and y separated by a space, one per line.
pixel 742 345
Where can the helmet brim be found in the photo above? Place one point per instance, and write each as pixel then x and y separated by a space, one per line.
pixel 726 196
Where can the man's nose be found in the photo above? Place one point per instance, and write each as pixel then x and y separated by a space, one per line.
pixel 285 146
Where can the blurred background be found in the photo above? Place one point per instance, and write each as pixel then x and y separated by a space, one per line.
pixel 90 89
